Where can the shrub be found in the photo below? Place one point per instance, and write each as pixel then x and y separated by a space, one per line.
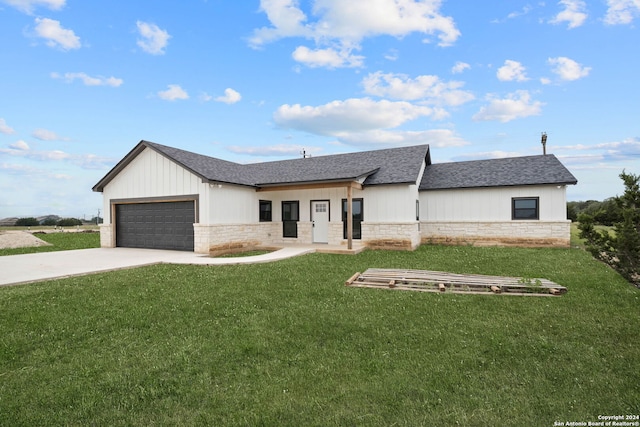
pixel 27 222
pixel 622 249
pixel 68 222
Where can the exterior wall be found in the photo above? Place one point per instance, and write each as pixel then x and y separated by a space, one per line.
pixel 150 175
pixel 220 238
pixel 519 233
pixel 229 214
pixel 484 216
pixel 389 215
pixel 402 236
pixel 490 204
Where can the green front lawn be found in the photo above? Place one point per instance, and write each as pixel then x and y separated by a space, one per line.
pixel 287 343
pixel 59 242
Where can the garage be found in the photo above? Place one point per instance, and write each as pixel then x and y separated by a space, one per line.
pixel 158 225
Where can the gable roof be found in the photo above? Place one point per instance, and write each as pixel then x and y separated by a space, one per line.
pixel 527 170
pixel 390 166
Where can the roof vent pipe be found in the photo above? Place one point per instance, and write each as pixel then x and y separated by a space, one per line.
pixel 544 143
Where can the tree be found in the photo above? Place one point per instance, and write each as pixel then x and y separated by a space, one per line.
pixel 68 222
pixel 50 221
pixel 27 222
pixel 621 249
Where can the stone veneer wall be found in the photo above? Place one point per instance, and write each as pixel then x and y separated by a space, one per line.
pixel 230 237
pixel 106 236
pixel 521 233
pixel 397 235
pixel 222 237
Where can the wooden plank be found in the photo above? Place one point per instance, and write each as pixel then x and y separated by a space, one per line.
pixel 452 291
pixel 437 281
pixel 352 279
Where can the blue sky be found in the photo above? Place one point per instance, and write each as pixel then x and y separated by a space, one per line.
pixel 81 83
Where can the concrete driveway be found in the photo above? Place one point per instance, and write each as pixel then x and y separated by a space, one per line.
pixel 16 269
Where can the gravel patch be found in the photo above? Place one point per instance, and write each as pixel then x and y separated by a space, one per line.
pixel 19 239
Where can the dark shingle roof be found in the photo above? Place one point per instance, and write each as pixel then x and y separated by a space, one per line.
pixel 390 166
pixel 528 170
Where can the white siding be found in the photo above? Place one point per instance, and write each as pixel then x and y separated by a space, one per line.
pixel 232 204
pixel 390 203
pixel 490 204
pixel 152 175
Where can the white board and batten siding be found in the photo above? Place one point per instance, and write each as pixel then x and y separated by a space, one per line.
pixel 490 204
pixel 382 203
pixel 150 174
pixel 231 204
pixel 390 203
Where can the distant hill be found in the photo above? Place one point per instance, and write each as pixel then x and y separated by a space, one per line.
pixel 45 219
pixel 11 221
pixel 8 222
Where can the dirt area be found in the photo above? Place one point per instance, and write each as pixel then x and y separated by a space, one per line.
pixel 19 239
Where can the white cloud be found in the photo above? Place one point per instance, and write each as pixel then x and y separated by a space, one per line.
pixel 27 6
pixel 434 137
pixel 525 10
pixel 459 67
pixel 573 13
pixel 154 39
pixel 22 149
pixel 351 115
pixel 427 88
pixel 625 150
pixel 342 25
pixel 20 146
pixel 17 169
pixel 56 36
pixel 47 135
pixel 89 80
pixel 85 161
pixel 392 55
pixel 568 69
pixel 5 128
pixel 205 97
pixel 621 11
pixel 512 71
pixel 230 96
pixel 279 150
pixel 329 57
pixel 516 105
pixel 362 121
pixel 174 92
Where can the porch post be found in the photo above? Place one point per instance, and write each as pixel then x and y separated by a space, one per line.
pixel 349 217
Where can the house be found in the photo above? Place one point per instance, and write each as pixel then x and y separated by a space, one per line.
pixel 166 198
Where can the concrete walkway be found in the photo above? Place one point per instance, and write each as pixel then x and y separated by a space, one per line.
pixel 16 269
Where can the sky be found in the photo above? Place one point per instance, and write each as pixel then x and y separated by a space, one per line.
pixel 82 82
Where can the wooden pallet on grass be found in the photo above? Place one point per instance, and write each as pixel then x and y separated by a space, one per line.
pixel 438 281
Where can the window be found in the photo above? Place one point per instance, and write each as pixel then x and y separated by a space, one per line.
pixel 290 218
pixel 265 210
pixel 525 208
pixel 358 217
pixel 417 210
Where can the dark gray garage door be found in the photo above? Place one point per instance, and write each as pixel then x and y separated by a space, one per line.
pixel 163 225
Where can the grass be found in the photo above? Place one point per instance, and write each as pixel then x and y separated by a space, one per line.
pixel 59 242
pixel 288 344
pixel 576 241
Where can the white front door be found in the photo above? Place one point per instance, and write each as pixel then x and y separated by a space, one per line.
pixel 320 220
